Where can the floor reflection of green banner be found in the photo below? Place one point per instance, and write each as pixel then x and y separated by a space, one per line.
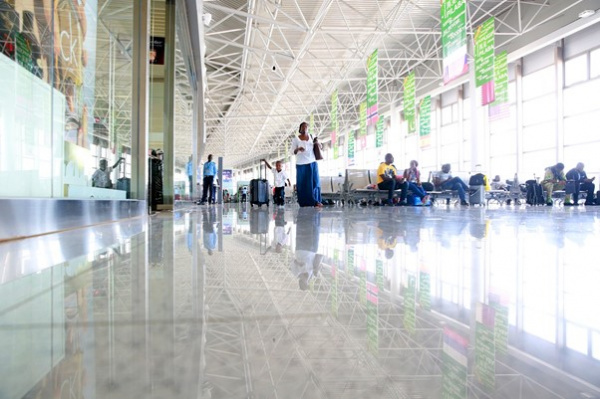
pixel 454 365
pixel 334 282
pixel 350 263
pixel 485 351
pixel 500 324
pixel 379 274
pixel 363 283
pixel 425 291
pixel 372 317
pixel 410 311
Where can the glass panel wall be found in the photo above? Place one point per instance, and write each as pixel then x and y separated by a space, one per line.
pixel 65 73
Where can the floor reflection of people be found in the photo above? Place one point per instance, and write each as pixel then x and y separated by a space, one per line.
pixel 307 262
pixel 209 236
pixel 281 236
pixel 387 238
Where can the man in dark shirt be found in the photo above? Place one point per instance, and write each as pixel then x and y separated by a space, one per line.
pixel 579 181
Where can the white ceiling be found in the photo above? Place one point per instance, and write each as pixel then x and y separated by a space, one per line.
pixel 270 63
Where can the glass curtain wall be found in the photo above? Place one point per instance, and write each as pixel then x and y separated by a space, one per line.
pixel 65 116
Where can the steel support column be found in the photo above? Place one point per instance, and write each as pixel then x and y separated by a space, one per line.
pixel 139 117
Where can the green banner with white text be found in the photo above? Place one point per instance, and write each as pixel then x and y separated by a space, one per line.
pixel 334 123
pixel 409 102
pixel 454 39
pixel 484 52
pixel 425 122
pixel 379 134
pixel 372 88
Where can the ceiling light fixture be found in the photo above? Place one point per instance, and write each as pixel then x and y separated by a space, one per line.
pixel 586 13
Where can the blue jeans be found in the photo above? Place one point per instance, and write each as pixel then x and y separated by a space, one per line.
pixel 456 184
pixel 417 190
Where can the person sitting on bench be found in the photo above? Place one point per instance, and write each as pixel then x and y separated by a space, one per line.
pixel 554 180
pixel 412 175
pixel 387 179
pixel 580 182
pixel 445 181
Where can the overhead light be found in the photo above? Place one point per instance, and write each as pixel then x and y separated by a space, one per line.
pixel 586 13
pixel 206 18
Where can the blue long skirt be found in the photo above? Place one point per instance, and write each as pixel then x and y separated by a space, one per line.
pixel 307 184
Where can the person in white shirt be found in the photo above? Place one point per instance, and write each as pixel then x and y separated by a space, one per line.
pixel 445 181
pixel 281 180
pixel 308 185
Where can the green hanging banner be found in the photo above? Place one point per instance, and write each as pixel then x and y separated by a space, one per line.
pixel 379 134
pixel 484 52
pixel 351 148
pixel 454 39
pixel 409 102
pixel 372 88
pixel 501 78
pixel 363 119
pixel 425 122
pixel 334 123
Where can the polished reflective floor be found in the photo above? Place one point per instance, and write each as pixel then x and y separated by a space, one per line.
pixel 233 302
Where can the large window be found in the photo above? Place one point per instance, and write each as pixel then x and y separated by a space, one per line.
pixel 65 82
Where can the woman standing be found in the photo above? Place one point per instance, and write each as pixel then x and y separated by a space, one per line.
pixel 307 170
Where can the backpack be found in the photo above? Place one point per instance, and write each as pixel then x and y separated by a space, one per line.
pixel 535 194
pixel 477 180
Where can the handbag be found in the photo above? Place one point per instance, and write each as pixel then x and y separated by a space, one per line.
pixel 317 150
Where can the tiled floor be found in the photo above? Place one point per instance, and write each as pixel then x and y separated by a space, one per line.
pixel 234 302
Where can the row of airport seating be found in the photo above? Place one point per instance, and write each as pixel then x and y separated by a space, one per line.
pixel 360 185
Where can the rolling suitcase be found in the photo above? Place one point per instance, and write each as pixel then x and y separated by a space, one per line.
pixel 259 191
pixel 477 195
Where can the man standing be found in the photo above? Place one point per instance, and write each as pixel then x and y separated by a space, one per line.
pixel 554 180
pixel 580 182
pixel 209 172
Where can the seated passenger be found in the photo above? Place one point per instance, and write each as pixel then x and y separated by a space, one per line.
pixel 412 175
pixel 445 181
pixel 554 180
pixel 498 185
pixel 580 182
pixel 387 179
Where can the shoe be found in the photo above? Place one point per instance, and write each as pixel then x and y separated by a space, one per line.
pixel 464 203
pixel 549 203
pixel 590 204
pixel 401 203
pixel 508 202
pixel 568 204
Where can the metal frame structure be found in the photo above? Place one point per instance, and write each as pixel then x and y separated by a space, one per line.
pixel 270 64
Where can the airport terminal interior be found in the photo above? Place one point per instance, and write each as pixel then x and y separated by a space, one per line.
pixel 170 229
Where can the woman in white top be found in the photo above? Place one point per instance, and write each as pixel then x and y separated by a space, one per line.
pixel 308 186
